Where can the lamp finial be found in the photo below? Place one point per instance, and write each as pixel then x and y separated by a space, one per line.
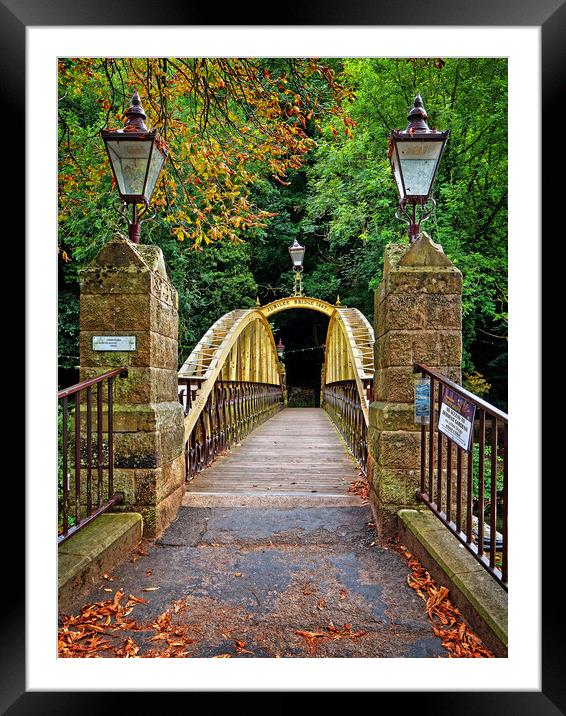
pixel 417 117
pixel 135 115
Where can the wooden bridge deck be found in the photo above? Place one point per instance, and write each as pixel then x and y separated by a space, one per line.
pixel 297 453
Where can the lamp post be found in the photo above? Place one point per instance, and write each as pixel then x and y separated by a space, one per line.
pixel 280 349
pixel 137 156
pixel 414 154
pixel 297 253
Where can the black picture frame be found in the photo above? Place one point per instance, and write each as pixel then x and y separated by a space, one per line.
pixel 15 17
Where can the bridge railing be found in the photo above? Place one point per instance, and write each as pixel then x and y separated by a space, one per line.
pixel 232 410
pixel 229 384
pixel 86 452
pixel 467 489
pixel 347 378
pixel 343 403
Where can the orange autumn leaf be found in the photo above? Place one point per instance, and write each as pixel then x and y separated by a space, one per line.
pixel 455 635
pixel 245 122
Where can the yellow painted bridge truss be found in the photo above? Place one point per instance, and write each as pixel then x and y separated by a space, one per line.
pixel 233 379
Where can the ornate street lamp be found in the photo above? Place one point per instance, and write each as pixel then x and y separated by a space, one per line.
pixel 137 156
pixel 414 154
pixel 297 253
pixel 280 349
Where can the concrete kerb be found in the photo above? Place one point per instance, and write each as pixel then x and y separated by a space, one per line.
pixel 94 550
pixel 480 600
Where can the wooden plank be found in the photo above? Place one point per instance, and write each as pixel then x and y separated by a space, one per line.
pixel 298 452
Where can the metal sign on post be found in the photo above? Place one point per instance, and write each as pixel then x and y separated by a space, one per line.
pixel 114 343
pixel 422 401
pixel 456 419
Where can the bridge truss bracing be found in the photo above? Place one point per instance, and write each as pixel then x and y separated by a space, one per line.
pixel 231 382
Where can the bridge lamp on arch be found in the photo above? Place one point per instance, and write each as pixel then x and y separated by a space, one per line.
pixel 414 154
pixel 137 156
pixel 297 254
pixel 281 349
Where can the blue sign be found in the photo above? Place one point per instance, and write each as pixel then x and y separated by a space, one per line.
pixel 422 400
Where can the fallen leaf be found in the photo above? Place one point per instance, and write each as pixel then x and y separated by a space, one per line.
pixel 455 635
pixel 137 600
pixel 310 634
pixel 161 636
pixel 129 649
pixel 360 488
pixel 321 604
pixel 240 647
pixel 357 634
pixel 163 621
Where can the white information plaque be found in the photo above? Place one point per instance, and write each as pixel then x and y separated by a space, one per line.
pixel 113 343
pixel 456 419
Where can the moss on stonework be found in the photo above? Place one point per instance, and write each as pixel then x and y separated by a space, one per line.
pixel 392 255
pixel 116 359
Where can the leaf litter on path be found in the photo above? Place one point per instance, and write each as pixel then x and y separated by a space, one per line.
pixel 98 626
pixel 459 640
pixel 360 487
pixel 330 632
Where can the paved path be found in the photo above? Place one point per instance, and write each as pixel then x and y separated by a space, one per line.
pixel 298 561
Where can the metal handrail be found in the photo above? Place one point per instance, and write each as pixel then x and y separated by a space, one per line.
pixel 452 501
pixel 88 451
pixel 231 411
pixel 122 372
pixel 491 409
pixel 342 402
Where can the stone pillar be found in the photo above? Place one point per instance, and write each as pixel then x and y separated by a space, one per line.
pixel 126 291
pixel 418 319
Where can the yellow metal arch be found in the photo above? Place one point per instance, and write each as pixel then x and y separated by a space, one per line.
pixel 285 304
pixel 349 352
pixel 238 347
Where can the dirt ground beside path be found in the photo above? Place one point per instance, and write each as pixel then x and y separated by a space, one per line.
pixel 262 582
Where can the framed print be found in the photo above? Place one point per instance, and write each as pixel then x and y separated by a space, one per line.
pixel 33 33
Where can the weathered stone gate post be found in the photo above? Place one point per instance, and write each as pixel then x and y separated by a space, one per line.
pixel 418 319
pixel 125 291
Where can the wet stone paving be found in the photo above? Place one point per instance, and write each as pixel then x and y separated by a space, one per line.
pixel 253 582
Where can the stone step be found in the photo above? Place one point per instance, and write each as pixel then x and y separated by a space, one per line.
pixel 236 498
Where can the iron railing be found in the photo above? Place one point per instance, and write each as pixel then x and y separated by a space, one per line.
pixel 342 403
pixel 454 483
pixel 86 452
pixel 232 410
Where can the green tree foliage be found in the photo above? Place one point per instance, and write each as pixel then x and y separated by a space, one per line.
pixel 351 195
pixel 265 151
pixel 231 125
